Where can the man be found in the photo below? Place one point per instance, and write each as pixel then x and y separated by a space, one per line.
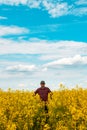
pixel 43 92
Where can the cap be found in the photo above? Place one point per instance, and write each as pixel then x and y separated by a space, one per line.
pixel 42 82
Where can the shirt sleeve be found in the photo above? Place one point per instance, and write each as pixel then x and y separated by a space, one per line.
pixel 36 92
pixel 49 91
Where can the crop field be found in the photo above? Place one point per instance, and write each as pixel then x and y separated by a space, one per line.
pixel 21 110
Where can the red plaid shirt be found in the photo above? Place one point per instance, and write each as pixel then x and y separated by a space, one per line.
pixel 43 93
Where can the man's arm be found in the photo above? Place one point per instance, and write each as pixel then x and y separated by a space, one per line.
pixel 49 91
pixel 35 92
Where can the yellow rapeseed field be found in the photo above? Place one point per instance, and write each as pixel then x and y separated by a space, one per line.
pixel 21 110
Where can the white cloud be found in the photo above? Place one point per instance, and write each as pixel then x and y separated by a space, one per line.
pixel 34 3
pixel 60 48
pixel 54 8
pixel 30 3
pixel 3 18
pixel 61 8
pixel 81 2
pixel 12 30
pixel 12 76
pixel 59 53
pixel 47 57
pixel 44 69
pixel 76 60
pixel 57 9
pixel 79 11
pixel 21 68
pixel 13 2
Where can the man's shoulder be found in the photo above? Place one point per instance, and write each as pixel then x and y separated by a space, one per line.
pixel 44 88
pixel 47 87
pixel 39 88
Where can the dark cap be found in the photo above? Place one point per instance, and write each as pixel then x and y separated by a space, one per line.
pixel 42 82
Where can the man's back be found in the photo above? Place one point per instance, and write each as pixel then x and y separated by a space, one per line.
pixel 43 92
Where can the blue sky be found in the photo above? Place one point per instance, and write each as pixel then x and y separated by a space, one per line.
pixel 43 40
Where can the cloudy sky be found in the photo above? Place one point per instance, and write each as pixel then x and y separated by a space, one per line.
pixel 43 40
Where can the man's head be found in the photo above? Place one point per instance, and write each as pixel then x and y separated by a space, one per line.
pixel 42 83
